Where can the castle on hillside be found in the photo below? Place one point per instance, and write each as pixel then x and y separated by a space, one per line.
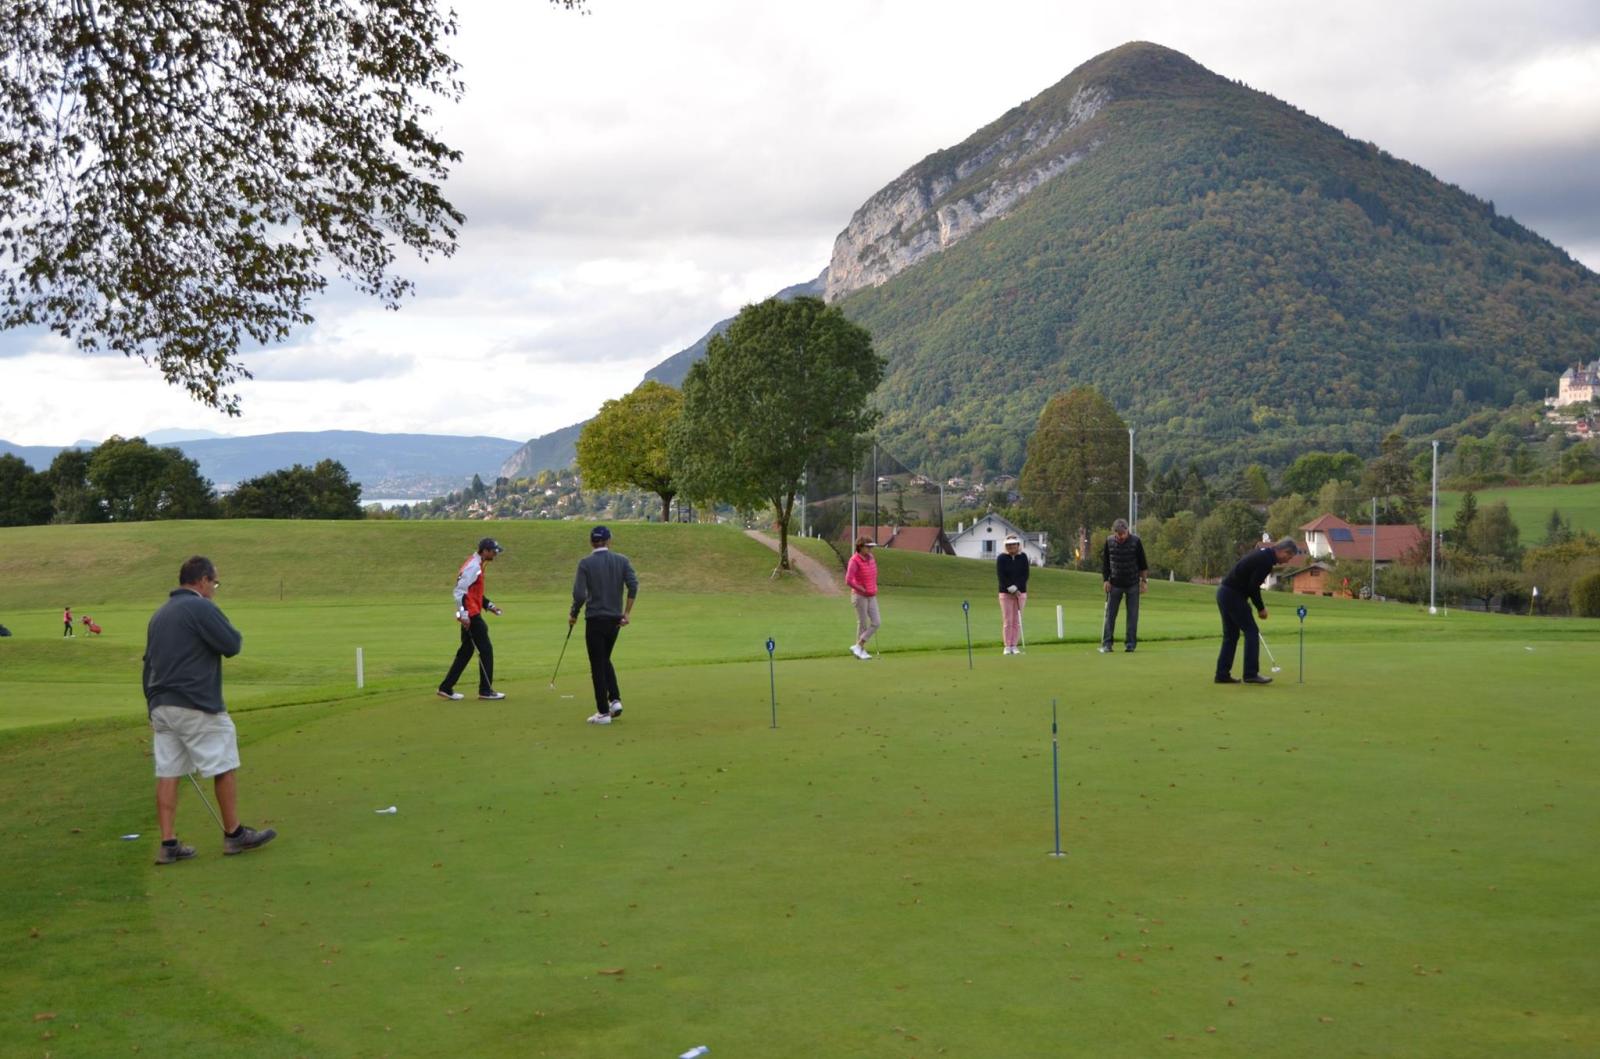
pixel 1579 384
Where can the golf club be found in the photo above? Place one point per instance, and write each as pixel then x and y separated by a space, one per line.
pixel 205 803
pixel 562 655
pixel 1276 668
pixel 1022 631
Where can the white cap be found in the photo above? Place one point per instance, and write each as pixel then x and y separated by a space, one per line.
pixel 1012 538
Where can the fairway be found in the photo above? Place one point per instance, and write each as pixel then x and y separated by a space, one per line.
pixel 1392 858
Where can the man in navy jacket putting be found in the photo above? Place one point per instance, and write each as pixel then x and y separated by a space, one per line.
pixel 1240 589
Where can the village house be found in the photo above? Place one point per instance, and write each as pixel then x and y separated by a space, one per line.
pixel 1331 537
pixel 984 540
pixel 927 539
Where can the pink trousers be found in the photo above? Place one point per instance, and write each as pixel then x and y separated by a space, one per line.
pixel 1011 616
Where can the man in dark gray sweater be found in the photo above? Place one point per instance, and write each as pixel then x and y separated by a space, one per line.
pixel 597 590
pixel 184 647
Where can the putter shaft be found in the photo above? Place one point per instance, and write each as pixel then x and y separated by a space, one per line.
pixel 206 803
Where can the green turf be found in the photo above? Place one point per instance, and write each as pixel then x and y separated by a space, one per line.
pixel 1530 507
pixel 1394 858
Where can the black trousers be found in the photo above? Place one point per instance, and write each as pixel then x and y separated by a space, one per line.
pixel 474 636
pixel 1237 620
pixel 600 636
pixel 1116 595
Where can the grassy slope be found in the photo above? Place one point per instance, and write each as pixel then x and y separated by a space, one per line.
pixel 1531 505
pixel 1389 859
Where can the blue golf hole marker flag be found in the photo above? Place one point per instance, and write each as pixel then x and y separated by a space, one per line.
pixel 1302 612
pixel 773 646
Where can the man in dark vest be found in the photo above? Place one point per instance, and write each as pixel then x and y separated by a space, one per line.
pixel 1124 574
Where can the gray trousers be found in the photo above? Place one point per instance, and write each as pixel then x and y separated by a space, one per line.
pixel 1114 598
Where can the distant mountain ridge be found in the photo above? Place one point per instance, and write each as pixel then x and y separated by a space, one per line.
pixel 1242 280
pixel 403 466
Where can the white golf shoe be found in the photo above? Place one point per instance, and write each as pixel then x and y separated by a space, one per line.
pixel 600 718
pixel 616 708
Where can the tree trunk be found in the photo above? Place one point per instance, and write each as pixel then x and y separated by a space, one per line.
pixel 785 508
pixel 666 506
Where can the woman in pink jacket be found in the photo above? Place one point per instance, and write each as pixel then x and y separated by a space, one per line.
pixel 861 574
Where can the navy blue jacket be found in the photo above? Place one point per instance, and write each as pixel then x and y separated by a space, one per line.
pixel 1248 573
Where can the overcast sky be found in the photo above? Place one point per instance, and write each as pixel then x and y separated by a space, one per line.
pixel 633 175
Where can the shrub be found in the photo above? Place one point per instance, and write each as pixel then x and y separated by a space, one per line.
pixel 1586 596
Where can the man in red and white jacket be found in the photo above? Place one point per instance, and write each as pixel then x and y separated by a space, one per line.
pixel 470 605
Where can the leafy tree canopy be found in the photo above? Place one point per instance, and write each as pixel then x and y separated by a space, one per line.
pixel 1076 473
pixel 626 444
pixel 177 177
pixel 324 491
pixel 1308 474
pixel 782 391
pixel 25 494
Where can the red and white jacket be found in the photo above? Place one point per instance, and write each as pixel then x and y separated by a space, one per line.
pixel 469 586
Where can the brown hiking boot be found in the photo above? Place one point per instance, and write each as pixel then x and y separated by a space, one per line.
pixel 246 840
pixel 166 854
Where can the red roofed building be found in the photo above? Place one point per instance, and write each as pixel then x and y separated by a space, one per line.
pixel 1331 537
pixel 928 539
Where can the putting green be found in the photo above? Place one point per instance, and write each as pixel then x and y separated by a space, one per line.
pixel 1392 858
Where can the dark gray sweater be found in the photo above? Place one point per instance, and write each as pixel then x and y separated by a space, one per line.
pixel 184 647
pixel 602 574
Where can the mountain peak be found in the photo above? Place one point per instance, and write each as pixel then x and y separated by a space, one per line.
pixel 951 193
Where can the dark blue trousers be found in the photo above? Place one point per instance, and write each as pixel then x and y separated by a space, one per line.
pixel 1237 619
pixel 600 637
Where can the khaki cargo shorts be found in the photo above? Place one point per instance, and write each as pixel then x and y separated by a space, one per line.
pixel 193 741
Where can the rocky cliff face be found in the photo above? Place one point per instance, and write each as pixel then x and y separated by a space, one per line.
pixel 950 195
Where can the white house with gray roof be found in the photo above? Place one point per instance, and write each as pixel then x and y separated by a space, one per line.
pixel 985 538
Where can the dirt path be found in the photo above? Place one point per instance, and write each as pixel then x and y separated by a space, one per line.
pixel 819 575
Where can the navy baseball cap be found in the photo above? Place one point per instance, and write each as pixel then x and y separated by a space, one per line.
pixel 490 544
pixel 599 533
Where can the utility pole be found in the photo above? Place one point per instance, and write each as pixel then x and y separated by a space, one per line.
pixel 1372 578
pixel 1433 536
pixel 1130 479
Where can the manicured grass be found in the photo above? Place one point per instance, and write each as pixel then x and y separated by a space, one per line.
pixel 1531 505
pixel 1393 858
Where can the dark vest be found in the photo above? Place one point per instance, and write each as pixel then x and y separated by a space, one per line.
pixel 1123 558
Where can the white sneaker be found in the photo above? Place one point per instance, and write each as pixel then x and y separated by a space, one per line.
pixel 856 650
pixel 616 707
pixel 453 696
pixel 600 718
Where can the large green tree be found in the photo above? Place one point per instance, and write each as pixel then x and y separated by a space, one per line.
pixel 1311 471
pixel 1390 479
pixel 179 177
pixel 71 496
pixel 25 495
pixel 626 444
pixel 324 491
pixel 1076 473
pixel 131 480
pixel 783 390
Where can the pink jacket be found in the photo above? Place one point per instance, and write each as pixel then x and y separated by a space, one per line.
pixel 861 574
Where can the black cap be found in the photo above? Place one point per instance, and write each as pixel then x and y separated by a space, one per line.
pixel 599 533
pixel 490 544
